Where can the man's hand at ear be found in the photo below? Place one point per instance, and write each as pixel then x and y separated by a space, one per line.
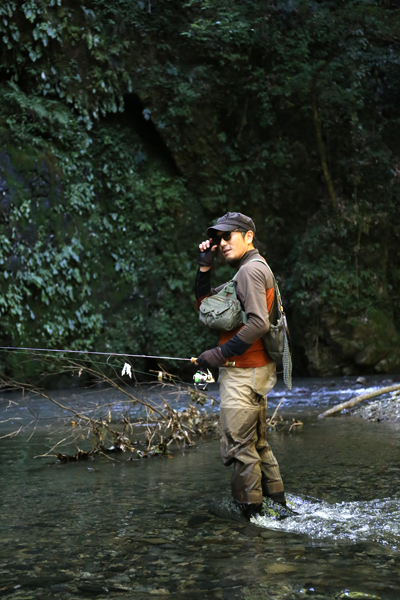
pixel 206 254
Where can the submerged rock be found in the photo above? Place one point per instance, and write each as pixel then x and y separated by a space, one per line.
pixel 357 595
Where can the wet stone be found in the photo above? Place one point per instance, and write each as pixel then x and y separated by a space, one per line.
pixel 216 556
pixel 206 585
pixel 235 594
pixel 155 541
pixel 93 588
pixel 117 568
pixel 59 588
pixel 232 582
pixel 252 532
pixel 93 568
pixel 40 581
pixel 216 541
pixel 278 568
pixel 198 521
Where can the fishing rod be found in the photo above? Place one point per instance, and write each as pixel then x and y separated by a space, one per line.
pixel 201 378
pixel 91 352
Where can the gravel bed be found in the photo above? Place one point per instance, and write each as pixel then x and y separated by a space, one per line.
pixel 382 408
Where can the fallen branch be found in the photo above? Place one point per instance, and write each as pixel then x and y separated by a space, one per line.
pixel 295 423
pixel 111 425
pixel 273 418
pixel 357 399
pixel 12 434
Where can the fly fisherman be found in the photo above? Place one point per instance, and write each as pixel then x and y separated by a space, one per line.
pixel 243 387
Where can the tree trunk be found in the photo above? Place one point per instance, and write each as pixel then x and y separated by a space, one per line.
pixel 321 146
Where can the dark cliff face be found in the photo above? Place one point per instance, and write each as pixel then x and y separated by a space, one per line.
pixel 126 128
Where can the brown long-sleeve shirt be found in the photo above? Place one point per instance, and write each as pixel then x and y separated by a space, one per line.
pixel 255 290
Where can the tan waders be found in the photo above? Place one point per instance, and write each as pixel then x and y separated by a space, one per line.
pixel 242 433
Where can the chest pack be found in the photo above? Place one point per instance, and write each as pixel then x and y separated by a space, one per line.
pixel 223 311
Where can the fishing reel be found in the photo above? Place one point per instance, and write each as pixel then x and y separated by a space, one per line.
pixel 202 379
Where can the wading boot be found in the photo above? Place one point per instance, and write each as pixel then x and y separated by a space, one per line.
pixel 275 505
pixel 249 510
pixel 278 497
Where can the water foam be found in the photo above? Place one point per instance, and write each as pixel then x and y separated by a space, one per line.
pixel 376 520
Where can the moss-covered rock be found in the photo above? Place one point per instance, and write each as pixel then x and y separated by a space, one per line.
pixel 367 342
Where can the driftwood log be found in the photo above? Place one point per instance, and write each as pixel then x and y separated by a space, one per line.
pixel 357 399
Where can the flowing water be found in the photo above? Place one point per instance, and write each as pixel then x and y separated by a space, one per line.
pixel 143 529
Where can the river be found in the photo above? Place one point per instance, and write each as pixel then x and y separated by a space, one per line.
pixel 142 529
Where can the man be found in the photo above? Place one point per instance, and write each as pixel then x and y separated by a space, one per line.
pixel 243 387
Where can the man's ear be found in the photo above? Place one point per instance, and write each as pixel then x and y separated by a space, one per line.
pixel 250 237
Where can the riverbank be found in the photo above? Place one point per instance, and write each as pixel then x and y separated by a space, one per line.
pixel 383 408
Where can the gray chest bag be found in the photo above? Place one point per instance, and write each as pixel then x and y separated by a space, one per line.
pixel 223 311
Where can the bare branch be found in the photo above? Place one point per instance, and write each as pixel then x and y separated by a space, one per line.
pixel 12 434
pixel 110 423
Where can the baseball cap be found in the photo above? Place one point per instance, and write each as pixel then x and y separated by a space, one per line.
pixel 230 221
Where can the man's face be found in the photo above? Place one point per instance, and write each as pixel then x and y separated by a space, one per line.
pixel 237 245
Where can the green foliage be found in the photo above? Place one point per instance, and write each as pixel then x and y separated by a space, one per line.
pixel 287 111
pixel 88 244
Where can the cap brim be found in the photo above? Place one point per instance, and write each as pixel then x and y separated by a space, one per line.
pixel 211 231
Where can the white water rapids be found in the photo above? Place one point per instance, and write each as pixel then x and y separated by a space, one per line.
pixel 373 521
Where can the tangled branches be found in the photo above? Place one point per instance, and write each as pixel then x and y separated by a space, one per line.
pixel 112 414
pixel 278 422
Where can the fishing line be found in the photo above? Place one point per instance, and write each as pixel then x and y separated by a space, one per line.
pixel 91 352
pixel 107 364
pixel 201 378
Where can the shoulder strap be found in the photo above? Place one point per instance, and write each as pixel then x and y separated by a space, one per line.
pixel 281 313
pixel 278 294
pixel 261 260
